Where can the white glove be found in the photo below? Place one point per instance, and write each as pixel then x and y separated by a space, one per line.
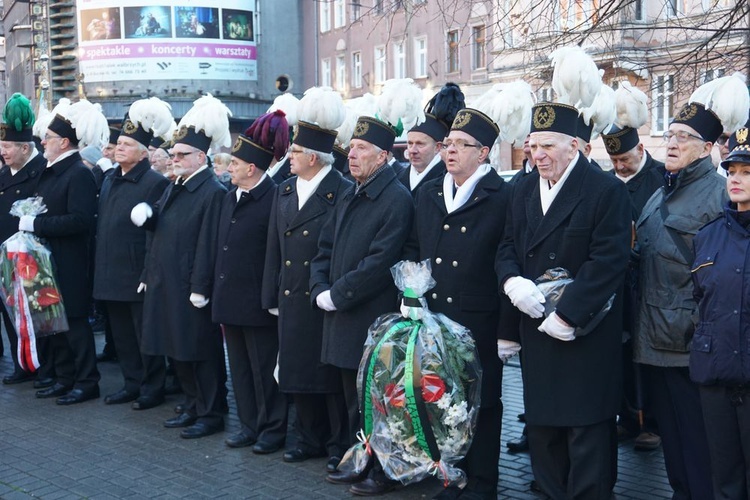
pixel 26 223
pixel 525 295
pixel 506 349
pixel 140 213
pixel 198 300
pixel 556 328
pixel 105 164
pixel 325 301
pixel 274 311
pixel 141 288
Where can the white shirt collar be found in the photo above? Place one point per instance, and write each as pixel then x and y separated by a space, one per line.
pixel 415 177
pixel 239 191
pixel 204 167
pixel 277 166
pixel 62 157
pixel 463 193
pixel 305 189
pixel 547 193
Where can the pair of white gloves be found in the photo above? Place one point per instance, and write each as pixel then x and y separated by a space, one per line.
pixel 527 297
pixel 198 300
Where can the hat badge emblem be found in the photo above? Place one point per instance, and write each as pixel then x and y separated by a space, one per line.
pixel 544 117
pixel 612 144
pixel 687 112
pixel 361 129
pixel 462 119
pixel 181 133
pixel 129 127
pixel 237 145
pixel 2 132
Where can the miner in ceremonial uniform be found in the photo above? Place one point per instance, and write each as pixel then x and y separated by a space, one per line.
pixel 302 206
pixel 569 214
pixel 18 178
pixel 179 271
pixel 250 330
pixel 121 251
pixel 458 225
pixel 693 195
pixel 350 276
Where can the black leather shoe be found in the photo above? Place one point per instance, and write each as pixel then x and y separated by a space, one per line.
pixel 147 402
pixel 534 486
pixel 518 446
pixel 53 391
pixel 172 389
pixel 333 464
pixel 180 408
pixel 120 397
pixel 42 383
pixel 260 448
pixel 240 440
pixel 78 396
pixel 346 477
pixel 297 455
pixel 181 420
pixel 372 487
pixel 199 430
pixel 105 357
pixel 17 377
pixel 449 493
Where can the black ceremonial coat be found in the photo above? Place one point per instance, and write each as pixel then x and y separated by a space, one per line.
pixel 17 187
pixel 284 172
pixel 181 261
pixel 462 247
pixel 69 191
pixel 358 245
pixel 120 245
pixel 586 231
pixel 644 183
pixel 437 172
pixel 241 251
pixel 292 244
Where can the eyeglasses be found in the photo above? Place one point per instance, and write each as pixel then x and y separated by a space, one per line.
pixel 722 140
pixel 180 156
pixel 48 137
pixel 296 151
pixel 459 145
pixel 681 136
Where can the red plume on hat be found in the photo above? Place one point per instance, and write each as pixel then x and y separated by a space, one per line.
pixel 271 131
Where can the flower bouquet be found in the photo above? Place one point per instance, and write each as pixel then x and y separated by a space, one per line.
pixel 28 286
pixel 419 382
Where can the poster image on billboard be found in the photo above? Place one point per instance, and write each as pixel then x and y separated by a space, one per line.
pixel 100 24
pixel 148 22
pixel 196 22
pixel 238 24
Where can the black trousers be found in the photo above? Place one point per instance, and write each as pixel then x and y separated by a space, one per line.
pixel 726 412
pixel 74 355
pixel 322 423
pixel 677 409
pixel 143 374
pixel 351 400
pixel 10 331
pixel 262 408
pixel 481 461
pixel 204 384
pixel 575 462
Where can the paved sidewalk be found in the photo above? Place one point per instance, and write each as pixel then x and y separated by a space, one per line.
pixel 103 452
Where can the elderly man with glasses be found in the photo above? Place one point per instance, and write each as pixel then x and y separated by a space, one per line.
pixel 693 195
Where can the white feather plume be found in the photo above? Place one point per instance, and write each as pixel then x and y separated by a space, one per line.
pixel 44 119
pixel 575 78
pixel 728 98
pixel 211 116
pixel 346 129
pixel 169 134
pixel 322 106
pixel 152 114
pixel 509 106
pixel 89 123
pixel 486 101
pixel 289 105
pixel 632 106
pixel 401 99
pixel 602 112
pixel 367 105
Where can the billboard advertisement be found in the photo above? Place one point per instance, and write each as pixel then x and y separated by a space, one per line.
pixel 158 40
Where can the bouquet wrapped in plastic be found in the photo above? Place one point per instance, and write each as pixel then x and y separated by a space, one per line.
pixel 552 284
pixel 28 286
pixel 419 387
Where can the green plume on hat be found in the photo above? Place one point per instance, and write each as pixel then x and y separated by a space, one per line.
pixel 18 112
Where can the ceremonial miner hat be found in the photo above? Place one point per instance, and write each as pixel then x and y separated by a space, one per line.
pixel 18 118
pixel 205 126
pixel 632 113
pixel 340 159
pixel 554 117
pixel 147 119
pixel 375 132
pixel 620 140
pixel 267 138
pixel 114 134
pixel 476 124
pixel 702 120
pixel 320 112
pixel 250 152
pixel 313 137
pixel 431 126
pixel 583 131
pixel 82 123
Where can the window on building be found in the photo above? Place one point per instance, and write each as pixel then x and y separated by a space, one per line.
pixel 661 102
pixel 356 10
pixel 399 60
pixel 452 49
pixel 339 13
pixel 420 57
pixel 545 94
pixel 506 25
pixel 340 73
pixel 578 13
pixel 675 7
pixel 357 69
pixel 380 64
pixel 478 48
pixel 325 16
pixel 325 73
pixel 638 13
pixel 378 7
pixel 711 74
pixel 397 4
